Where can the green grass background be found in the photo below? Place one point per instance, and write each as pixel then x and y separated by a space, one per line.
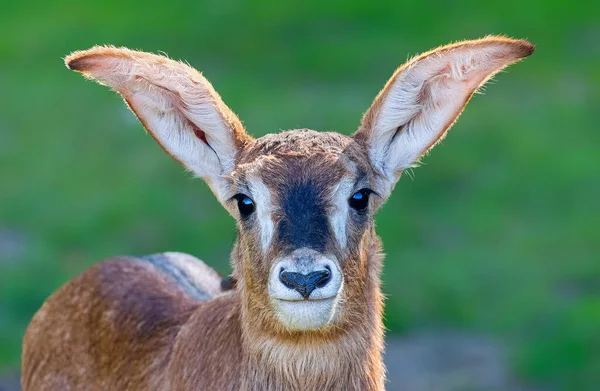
pixel 496 233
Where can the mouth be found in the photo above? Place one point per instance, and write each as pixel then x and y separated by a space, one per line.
pixel 307 301
pixel 305 314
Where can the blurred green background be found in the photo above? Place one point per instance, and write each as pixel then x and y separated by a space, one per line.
pixel 496 233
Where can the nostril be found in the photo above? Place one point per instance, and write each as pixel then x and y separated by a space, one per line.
pixel 323 278
pixel 287 279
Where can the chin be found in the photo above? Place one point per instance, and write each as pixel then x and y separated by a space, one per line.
pixel 305 315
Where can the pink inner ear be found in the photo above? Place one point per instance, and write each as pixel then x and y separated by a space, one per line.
pixel 199 133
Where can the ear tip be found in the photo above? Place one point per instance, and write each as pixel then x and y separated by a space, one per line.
pixel 75 63
pixel 510 48
pixel 81 60
pixel 521 48
pixel 524 48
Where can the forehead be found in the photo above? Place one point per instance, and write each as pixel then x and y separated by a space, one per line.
pixel 301 155
pixel 303 142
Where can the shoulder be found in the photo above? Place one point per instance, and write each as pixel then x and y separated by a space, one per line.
pixel 208 351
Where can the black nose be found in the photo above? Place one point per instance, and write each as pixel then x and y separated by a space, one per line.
pixel 305 283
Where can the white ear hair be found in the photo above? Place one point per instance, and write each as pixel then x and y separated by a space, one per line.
pixel 175 103
pixel 424 98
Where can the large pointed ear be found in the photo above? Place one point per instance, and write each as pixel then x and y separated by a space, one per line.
pixel 176 104
pixel 425 96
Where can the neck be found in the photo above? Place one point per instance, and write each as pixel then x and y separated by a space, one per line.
pixel 347 357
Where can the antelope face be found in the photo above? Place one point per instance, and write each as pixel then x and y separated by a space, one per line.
pixel 303 200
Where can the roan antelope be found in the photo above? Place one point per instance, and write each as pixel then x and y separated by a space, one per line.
pixel 306 313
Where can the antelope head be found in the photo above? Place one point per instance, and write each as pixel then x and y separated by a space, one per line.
pixel 304 201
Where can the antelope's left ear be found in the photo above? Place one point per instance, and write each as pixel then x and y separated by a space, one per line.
pixel 425 96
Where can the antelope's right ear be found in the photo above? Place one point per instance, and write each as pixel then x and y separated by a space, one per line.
pixel 176 104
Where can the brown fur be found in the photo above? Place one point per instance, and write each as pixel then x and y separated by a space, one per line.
pixel 112 327
pixel 165 322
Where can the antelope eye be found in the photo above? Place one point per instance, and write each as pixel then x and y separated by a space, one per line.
pixel 360 200
pixel 245 204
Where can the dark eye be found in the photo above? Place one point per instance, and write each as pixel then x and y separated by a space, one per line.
pixel 245 204
pixel 360 200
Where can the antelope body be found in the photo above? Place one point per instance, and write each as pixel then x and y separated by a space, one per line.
pixel 306 313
